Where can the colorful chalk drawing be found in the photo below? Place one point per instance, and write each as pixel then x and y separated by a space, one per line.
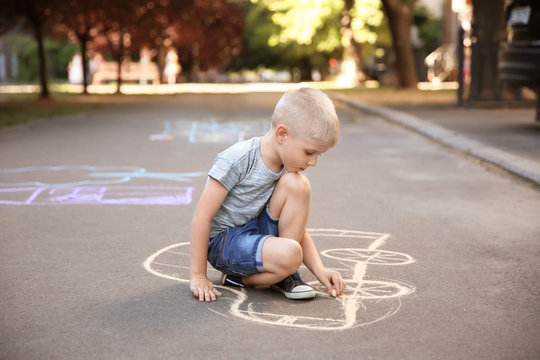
pixel 366 300
pixel 84 175
pixel 90 185
pixel 212 131
pixel 94 195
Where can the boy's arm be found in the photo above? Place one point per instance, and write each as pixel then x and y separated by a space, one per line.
pixel 211 199
pixel 329 278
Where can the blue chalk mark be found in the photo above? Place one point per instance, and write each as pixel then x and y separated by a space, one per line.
pixel 213 131
pixel 167 129
pixel 126 174
pixel 192 138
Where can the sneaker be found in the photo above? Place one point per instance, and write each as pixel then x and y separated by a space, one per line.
pixel 293 287
pixel 231 280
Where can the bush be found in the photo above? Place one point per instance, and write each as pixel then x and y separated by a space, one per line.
pixel 58 54
pixel 429 27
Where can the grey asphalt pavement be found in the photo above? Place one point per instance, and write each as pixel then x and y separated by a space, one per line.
pixel 507 137
pixel 440 253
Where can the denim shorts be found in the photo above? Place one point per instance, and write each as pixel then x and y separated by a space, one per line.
pixel 238 251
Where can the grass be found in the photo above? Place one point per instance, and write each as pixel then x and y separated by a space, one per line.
pixel 22 108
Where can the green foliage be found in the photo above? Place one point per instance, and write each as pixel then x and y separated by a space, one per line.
pixel 58 54
pixel 367 21
pixel 262 48
pixel 25 47
pixel 316 22
pixel 257 32
pixel 283 33
pixel 429 27
pixel 306 22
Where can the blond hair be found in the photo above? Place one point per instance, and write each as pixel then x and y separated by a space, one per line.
pixel 309 114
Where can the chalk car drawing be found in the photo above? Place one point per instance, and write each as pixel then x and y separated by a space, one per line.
pixel 366 300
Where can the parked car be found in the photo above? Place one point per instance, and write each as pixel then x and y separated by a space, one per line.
pixel 519 63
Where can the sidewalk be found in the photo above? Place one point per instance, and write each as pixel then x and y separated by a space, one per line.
pixel 508 138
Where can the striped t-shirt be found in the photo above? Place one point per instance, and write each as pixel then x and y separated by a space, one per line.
pixel 241 170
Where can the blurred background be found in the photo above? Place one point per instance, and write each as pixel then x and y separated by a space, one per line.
pixel 98 46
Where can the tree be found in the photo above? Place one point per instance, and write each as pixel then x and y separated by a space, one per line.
pixel 315 30
pixel 352 53
pixel 488 28
pixel 306 28
pixel 120 20
pixel 360 25
pixel 399 14
pixel 35 14
pixel 115 28
pixel 206 33
pixel 83 19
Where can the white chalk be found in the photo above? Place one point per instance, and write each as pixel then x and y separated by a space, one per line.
pixel 334 294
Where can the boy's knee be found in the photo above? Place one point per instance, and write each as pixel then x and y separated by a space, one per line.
pixel 296 183
pixel 296 256
pixel 290 257
pixel 293 258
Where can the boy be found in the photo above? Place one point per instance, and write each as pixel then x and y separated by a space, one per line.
pixel 250 222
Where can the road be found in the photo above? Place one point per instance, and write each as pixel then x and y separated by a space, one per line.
pixel 440 253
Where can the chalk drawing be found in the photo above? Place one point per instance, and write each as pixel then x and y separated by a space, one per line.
pixel 212 131
pixel 82 175
pixel 97 195
pixel 81 184
pixel 366 300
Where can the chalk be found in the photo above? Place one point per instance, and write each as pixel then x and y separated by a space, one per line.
pixel 346 315
pixel 161 137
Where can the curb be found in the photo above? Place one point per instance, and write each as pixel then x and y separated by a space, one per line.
pixel 517 165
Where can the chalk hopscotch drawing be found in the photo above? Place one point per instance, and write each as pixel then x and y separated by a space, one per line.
pixel 91 185
pixel 95 195
pixel 80 175
pixel 212 131
pixel 366 300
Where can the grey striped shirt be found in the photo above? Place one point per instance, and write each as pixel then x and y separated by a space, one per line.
pixel 250 183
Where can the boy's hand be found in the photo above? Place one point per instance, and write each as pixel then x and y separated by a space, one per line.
pixel 203 288
pixel 333 282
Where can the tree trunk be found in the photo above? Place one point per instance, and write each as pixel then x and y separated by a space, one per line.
pixel 42 59
pixel 118 55
pixel 488 29
pixel 83 40
pixel 399 16
pixel 119 77
pixel 352 51
pixel 305 69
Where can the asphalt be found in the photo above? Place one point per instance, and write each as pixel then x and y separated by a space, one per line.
pixel 440 254
pixel 507 137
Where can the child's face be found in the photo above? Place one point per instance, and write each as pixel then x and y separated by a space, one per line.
pixel 299 154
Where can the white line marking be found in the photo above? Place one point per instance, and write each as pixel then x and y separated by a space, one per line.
pixel 171 265
pixel 148 263
pixel 217 312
